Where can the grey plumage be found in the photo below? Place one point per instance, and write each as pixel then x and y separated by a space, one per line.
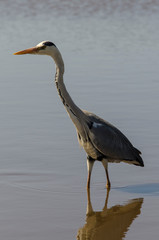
pixel 111 142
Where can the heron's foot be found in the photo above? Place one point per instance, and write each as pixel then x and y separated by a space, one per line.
pixel 108 186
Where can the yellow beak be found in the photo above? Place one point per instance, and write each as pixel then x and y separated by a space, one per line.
pixel 32 50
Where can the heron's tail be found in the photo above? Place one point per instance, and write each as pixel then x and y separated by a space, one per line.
pixel 139 158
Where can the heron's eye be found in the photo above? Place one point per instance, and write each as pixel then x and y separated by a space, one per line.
pixel 49 44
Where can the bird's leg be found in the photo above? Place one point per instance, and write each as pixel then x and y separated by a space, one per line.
pixel 105 164
pixel 89 204
pixel 90 163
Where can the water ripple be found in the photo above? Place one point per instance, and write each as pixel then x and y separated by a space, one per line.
pixel 148 189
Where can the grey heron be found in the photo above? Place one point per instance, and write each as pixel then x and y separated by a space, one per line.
pixel 100 139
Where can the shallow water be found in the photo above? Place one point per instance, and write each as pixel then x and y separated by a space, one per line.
pixel 111 59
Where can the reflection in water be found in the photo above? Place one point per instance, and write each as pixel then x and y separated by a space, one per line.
pixel 112 223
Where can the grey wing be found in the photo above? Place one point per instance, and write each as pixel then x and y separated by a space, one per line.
pixel 111 142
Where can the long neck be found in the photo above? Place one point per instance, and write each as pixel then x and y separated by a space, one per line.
pixel 66 99
pixel 74 112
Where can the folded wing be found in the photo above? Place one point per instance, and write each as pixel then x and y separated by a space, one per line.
pixel 111 142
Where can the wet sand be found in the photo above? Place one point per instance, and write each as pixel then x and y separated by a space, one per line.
pixel 111 60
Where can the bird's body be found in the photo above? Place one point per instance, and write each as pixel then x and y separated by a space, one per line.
pixel 106 141
pixel 101 140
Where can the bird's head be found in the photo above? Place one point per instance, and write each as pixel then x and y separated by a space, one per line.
pixel 43 48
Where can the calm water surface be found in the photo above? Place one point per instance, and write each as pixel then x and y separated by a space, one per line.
pixel 111 54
